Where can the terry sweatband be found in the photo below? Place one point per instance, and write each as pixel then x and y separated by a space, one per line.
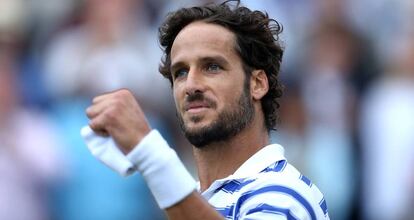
pixel 105 149
pixel 166 176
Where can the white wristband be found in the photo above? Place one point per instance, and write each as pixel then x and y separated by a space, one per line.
pixel 166 176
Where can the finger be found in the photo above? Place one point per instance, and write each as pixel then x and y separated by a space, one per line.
pixel 96 109
pixel 105 102
pixel 107 95
pixel 100 98
pixel 102 133
pixel 98 125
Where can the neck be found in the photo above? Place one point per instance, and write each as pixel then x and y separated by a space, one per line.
pixel 221 159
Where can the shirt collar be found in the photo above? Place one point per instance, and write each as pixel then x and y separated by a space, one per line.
pixel 254 165
pixel 259 161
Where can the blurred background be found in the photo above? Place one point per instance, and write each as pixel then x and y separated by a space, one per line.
pixel 347 115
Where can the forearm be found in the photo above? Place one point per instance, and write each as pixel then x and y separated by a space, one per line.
pixel 172 186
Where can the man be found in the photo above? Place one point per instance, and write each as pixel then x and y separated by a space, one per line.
pixel 223 63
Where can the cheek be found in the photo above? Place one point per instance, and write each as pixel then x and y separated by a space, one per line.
pixel 225 101
pixel 177 98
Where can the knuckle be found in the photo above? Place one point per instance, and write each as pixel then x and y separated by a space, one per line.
pixel 89 112
pixel 124 94
pixel 122 98
pixel 117 96
pixel 115 106
pixel 95 100
pixel 112 113
pixel 124 91
pixel 119 93
pixel 94 125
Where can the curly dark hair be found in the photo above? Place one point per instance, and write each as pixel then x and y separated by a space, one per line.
pixel 257 43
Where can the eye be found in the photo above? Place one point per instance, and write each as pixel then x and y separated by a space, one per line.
pixel 180 73
pixel 213 67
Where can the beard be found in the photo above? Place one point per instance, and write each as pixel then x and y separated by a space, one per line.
pixel 228 124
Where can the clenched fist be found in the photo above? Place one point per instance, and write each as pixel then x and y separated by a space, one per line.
pixel 119 115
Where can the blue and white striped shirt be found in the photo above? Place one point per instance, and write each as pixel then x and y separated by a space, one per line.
pixel 267 187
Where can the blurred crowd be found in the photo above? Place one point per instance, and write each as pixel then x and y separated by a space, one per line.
pixel 347 115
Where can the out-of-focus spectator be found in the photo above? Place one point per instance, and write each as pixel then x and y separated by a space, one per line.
pixel 43 18
pixel 330 101
pixel 291 131
pixel 113 47
pixel 387 124
pixel 30 160
pixel 381 20
pixel 297 18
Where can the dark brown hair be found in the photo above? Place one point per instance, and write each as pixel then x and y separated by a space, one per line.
pixel 257 43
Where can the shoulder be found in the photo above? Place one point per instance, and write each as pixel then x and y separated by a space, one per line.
pixel 281 190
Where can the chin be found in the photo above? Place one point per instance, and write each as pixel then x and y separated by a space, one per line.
pixel 195 127
pixel 197 121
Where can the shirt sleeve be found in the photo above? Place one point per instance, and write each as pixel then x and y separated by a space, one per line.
pixel 274 202
pixel 274 197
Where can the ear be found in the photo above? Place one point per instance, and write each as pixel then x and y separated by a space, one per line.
pixel 259 84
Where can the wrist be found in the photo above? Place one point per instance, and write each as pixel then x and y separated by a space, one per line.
pixel 166 176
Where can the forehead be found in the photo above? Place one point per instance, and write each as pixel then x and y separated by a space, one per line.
pixel 200 39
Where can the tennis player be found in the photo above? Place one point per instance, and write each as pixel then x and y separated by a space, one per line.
pixel 223 63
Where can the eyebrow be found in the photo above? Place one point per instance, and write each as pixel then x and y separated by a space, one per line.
pixel 214 59
pixel 208 59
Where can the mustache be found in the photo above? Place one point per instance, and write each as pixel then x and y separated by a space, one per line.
pixel 199 97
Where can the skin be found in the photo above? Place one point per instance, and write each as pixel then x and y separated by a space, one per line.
pixel 203 60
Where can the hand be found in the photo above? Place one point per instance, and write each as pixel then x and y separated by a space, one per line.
pixel 119 115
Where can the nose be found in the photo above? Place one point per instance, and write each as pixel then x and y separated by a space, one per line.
pixel 195 82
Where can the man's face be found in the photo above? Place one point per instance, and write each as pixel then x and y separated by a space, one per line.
pixel 212 96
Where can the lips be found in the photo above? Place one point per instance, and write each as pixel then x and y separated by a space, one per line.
pixel 197 102
pixel 196 105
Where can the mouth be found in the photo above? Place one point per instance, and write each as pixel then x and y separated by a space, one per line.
pixel 197 103
pixel 196 110
pixel 195 107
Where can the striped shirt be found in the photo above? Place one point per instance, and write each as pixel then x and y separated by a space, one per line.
pixel 267 187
